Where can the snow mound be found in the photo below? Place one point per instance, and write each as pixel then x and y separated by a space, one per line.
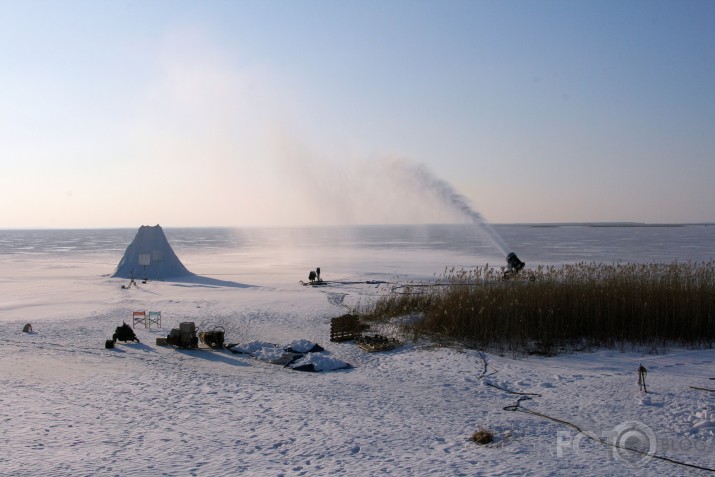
pixel 300 355
pixel 303 346
pixel 705 422
pixel 319 362
pixel 273 355
pixel 253 347
pixel 150 256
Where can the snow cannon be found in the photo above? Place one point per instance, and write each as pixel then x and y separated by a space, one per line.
pixel 514 263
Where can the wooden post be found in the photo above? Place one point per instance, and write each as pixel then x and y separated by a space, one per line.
pixel 641 378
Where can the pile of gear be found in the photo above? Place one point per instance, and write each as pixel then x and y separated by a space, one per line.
pixel 184 336
pixel 214 338
pixel 298 355
pixel 122 333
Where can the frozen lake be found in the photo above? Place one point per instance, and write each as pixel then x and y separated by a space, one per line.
pixel 370 252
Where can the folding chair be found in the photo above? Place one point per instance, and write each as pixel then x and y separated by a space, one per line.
pixel 139 317
pixel 155 318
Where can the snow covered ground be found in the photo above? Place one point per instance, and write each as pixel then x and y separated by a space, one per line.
pixel 70 407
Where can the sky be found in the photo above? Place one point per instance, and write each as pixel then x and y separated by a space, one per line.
pixel 282 113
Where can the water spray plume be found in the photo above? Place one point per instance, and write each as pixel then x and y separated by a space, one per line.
pixel 425 179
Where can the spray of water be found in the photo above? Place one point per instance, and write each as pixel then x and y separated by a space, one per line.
pixel 388 190
pixel 420 176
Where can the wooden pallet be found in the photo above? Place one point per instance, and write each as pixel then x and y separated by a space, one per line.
pixel 375 343
pixel 346 328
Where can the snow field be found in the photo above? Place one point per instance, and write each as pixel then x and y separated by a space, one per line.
pixel 70 407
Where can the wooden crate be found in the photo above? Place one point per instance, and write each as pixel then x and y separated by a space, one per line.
pixel 375 343
pixel 346 328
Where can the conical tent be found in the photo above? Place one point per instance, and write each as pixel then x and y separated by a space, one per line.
pixel 150 256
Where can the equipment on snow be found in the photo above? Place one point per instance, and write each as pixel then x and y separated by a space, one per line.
pixel 124 333
pixel 184 336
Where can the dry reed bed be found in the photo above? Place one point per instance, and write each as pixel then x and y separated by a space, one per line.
pixel 550 308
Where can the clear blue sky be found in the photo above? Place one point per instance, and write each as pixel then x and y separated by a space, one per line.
pixel 196 113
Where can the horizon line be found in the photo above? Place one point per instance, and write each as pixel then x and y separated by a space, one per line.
pixel 528 224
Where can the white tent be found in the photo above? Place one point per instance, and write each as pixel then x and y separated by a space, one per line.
pixel 150 256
